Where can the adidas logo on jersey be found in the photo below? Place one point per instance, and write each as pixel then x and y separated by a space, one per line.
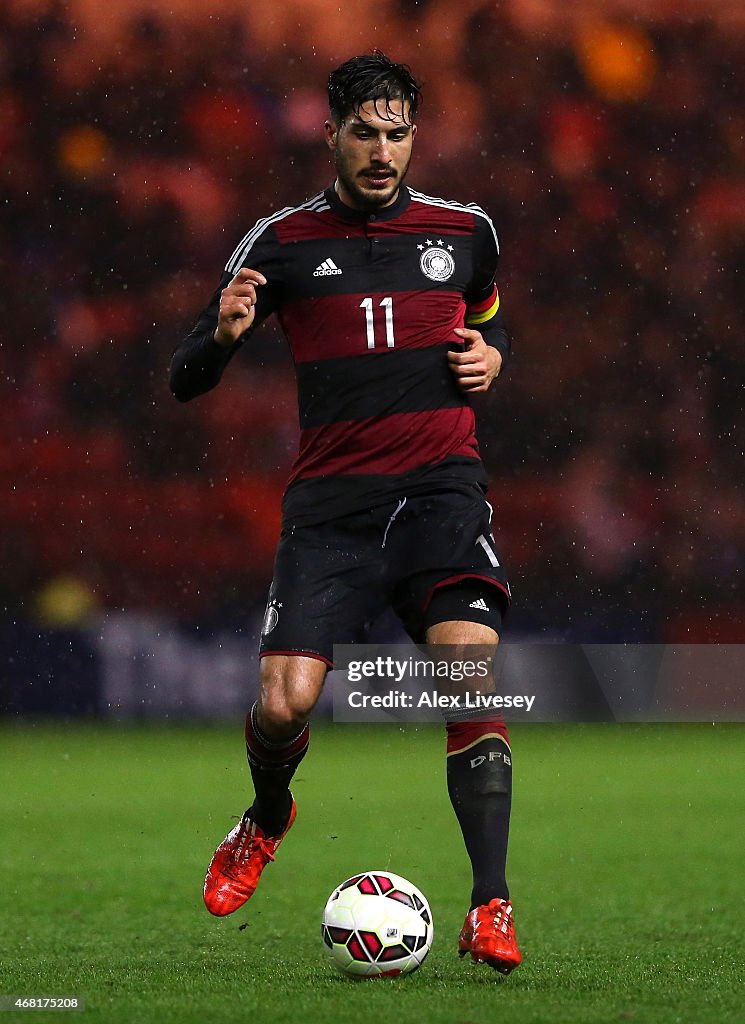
pixel 327 267
pixel 480 604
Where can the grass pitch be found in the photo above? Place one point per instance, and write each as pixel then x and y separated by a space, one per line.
pixel 625 869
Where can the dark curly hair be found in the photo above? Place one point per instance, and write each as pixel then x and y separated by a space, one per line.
pixel 372 76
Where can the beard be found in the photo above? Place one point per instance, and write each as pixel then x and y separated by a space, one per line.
pixel 367 198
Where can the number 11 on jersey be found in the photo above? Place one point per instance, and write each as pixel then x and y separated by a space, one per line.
pixel 387 305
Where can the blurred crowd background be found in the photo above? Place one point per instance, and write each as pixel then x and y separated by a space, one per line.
pixel 609 150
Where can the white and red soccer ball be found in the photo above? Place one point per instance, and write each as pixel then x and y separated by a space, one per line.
pixel 375 924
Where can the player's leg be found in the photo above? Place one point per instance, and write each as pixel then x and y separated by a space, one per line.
pixel 323 591
pixel 450 588
pixel 479 779
pixel 278 732
pixel 290 687
pixel 479 771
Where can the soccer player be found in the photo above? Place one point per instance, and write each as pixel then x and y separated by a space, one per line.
pixel 388 300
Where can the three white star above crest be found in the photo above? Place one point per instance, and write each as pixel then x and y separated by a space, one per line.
pixel 450 248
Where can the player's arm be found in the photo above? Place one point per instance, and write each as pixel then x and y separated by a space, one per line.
pixel 199 361
pixel 244 298
pixel 486 342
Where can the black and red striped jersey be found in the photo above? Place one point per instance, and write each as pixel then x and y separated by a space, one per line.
pixel 369 303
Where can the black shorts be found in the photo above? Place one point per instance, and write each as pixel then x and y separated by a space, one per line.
pixel 429 557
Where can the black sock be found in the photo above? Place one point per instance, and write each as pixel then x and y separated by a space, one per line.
pixel 479 774
pixel 272 765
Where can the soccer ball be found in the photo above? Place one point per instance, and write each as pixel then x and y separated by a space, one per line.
pixel 377 923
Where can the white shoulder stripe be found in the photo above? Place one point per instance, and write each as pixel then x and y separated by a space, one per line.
pixel 316 204
pixel 451 204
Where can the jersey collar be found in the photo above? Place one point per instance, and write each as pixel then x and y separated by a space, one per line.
pixel 341 209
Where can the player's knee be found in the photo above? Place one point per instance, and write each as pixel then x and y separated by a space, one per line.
pixel 285 703
pixel 279 717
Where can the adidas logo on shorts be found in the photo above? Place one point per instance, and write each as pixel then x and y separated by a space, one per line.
pixel 480 604
pixel 327 267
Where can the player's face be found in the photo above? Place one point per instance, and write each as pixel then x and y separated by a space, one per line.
pixel 372 151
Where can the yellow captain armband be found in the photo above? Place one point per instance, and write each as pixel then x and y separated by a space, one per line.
pixel 483 311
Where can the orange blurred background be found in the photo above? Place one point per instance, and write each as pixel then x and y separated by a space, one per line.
pixel 139 142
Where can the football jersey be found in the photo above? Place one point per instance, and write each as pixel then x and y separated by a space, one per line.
pixel 368 302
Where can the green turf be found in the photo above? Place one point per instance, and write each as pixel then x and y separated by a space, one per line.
pixel 625 866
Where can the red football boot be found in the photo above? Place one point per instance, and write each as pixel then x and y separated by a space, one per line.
pixel 489 936
pixel 237 864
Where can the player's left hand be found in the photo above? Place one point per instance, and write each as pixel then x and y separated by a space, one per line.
pixel 478 365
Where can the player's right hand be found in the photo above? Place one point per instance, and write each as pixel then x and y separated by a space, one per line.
pixel 237 306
